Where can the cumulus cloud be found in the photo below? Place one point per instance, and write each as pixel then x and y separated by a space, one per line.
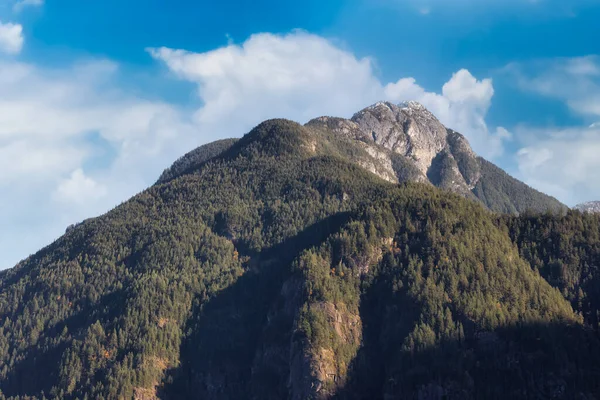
pixel 562 162
pixel 11 38
pixel 52 124
pixel 297 76
pixel 79 189
pixel 50 111
pixel 75 137
pixel 300 76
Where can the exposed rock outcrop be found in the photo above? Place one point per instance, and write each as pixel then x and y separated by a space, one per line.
pixel 409 130
pixel 591 207
pixel 316 373
pixel 406 142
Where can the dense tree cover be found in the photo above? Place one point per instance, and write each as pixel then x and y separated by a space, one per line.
pixel 455 320
pixel 566 251
pixel 280 269
pixel 195 158
pixel 502 193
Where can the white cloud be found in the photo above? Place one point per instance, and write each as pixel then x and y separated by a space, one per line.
pixel 21 4
pixel 297 76
pixel 582 66
pixel 47 117
pixel 25 158
pixel 52 121
pixel 464 88
pixel 562 162
pixel 79 189
pixel 300 76
pixel 503 133
pixel 11 38
pixel 575 81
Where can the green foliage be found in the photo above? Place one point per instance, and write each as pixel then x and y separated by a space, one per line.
pixel 502 193
pixel 195 158
pixel 566 252
pixel 255 266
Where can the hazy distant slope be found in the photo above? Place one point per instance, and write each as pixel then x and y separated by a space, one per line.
pixel 591 206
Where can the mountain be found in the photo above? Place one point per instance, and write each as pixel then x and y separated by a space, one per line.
pixel 291 263
pixel 408 143
pixel 591 207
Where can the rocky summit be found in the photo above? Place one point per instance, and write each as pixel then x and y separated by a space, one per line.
pixel 376 257
pixel 407 142
pixel 411 131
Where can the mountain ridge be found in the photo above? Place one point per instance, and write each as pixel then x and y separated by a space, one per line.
pixel 280 266
pixel 407 142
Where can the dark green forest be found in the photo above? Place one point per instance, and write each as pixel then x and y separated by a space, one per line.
pixel 276 267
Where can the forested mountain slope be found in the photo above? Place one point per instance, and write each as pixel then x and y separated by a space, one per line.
pixel 282 265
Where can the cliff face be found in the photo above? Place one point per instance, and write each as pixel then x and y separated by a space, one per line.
pixel 409 130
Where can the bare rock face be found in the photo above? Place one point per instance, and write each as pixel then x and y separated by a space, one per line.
pixel 317 373
pixel 376 159
pixel 465 157
pixel 409 129
pixel 590 207
pixel 445 173
pixel 407 142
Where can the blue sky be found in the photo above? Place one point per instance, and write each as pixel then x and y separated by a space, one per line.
pixel 97 98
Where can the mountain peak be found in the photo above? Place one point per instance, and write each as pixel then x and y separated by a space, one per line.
pixel 409 107
pixel 408 129
pixel 268 267
pixel 412 105
pixel 406 142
